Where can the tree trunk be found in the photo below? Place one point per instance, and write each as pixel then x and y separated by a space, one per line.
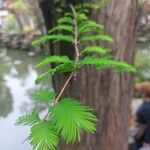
pixel 108 92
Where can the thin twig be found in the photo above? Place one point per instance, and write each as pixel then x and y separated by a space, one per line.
pixel 63 88
pixel 60 93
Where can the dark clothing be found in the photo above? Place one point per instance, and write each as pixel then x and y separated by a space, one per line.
pixel 143 117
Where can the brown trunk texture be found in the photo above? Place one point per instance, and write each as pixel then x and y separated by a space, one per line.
pixel 108 92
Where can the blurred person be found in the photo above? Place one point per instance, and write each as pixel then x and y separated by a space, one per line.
pixel 142 118
pixel 133 131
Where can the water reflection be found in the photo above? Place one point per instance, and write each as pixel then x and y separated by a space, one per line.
pixel 6 102
pixel 17 74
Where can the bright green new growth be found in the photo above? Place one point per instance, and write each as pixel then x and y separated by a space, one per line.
pixel 107 63
pixel 29 119
pixel 96 49
pixel 67 117
pixel 43 96
pixel 62 27
pixel 54 59
pixel 44 136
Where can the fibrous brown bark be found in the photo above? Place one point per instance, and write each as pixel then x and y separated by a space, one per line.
pixel 108 92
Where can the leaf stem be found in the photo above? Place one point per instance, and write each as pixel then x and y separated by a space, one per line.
pixel 63 88
pixel 75 32
pixel 76 50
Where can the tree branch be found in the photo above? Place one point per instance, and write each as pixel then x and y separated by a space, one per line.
pixel 76 50
pixel 75 33
pixel 63 88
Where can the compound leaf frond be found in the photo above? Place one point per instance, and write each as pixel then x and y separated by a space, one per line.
pixel 68 67
pixel 70 116
pixel 62 68
pixel 67 28
pixel 89 25
pixel 57 37
pixel 97 49
pixel 29 119
pixel 44 76
pixel 43 136
pixel 43 96
pixel 93 38
pixel 54 59
pixel 68 14
pixel 81 17
pixel 40 40
pixel 108 63
pixel 68 20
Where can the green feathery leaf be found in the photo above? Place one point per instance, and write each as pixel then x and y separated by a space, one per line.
pixel 44 136
pixel 61 37
pixel 58 37
pixel 89 26
pixel 29 119
pixel 93 38
pixel 88 30
pixel 65 20
pixel 43 96
pixel 45 75
pixel 81 17
pixel 108 63
pixel 68 67
pixel 97 49
pixel 54 59
pixel 41 40
pixel 68 28
pixel 68 14
pixel 81 9
pixel 62 68
pixel 70 116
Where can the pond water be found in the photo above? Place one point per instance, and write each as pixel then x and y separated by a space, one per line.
pixel 17 75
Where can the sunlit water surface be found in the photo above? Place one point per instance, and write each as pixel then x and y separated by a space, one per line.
pixel 17 75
